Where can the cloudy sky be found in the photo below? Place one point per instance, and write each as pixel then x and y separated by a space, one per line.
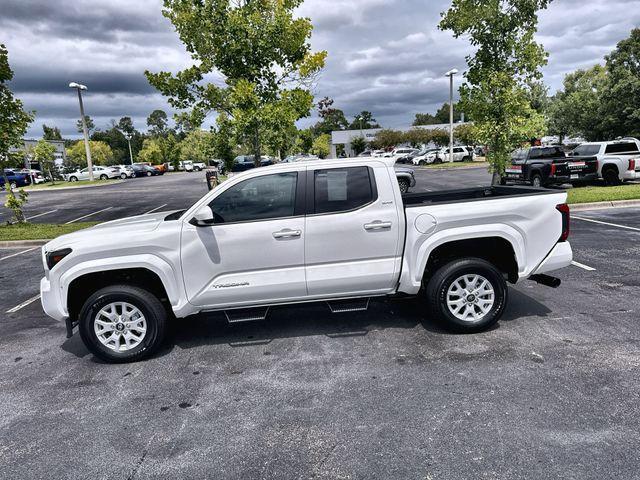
pixel 386 56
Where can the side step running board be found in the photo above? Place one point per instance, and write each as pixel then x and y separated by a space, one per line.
pixel 352 305
pixel 246 314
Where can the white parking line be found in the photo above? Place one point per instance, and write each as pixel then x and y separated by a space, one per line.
pixel 157 208
pixel 19 253
pixel 41 214
pixel 23 304
pixel 88 215
pixel 606 223
pixel 583 266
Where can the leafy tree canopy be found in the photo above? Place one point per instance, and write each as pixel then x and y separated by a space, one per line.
pixel 51 133
pixel 101 154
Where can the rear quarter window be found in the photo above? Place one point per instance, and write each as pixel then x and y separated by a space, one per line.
pixel 622 147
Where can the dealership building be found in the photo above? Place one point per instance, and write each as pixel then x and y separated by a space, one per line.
pixel 28 144
pixel 344 137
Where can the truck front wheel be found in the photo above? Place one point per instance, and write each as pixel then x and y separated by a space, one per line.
pixel 122 323
pixel 467 295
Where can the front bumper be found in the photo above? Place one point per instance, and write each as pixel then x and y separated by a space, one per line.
pixel 51 301
pixel 560 256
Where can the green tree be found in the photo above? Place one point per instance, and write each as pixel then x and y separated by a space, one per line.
pixel 442 115
pixel 424 119
pixel 170 149
pixel 90 125
pixel 620 112
pixel 101 154
pixel 358 145
pixel 363 121
pixel 388 138
pixel 14 122
pixel 440 136
pixel 465 134
pixel 576 109
pixel 418 136
pixel 151 152
pixel 51 133
pixel 125 125
pixel 158 123
pixel 223 147
pixel 45 154
pixel 198 146
pixel 331 119
pixel 497 91
pixel 322 146
pixel 304 141
pixel 262 51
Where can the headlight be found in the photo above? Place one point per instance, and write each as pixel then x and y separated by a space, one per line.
pixel 53 258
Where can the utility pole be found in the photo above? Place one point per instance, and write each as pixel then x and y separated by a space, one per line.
pixel 128 137
pixel 85 131
pixel 450 74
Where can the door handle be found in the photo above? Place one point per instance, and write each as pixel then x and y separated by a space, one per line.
pixel 287 233
pixel 377 225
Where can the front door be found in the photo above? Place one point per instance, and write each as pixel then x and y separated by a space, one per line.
pixel 352 231
pixel 254 251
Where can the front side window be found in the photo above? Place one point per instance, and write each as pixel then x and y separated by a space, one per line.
pixel 342 189
pixel 260 198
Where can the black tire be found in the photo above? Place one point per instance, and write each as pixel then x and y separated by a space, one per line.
pixel 466 159
pixel 73 179
pixel 503 180
pixel 149 174
pixel 104 177
pixel 13 185
pixel 438 289
pixel 536 180
pixel 610 176
pixel 404 185
pixel 153 311
pixel 123 176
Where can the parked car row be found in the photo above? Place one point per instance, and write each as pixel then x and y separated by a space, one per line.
pixel 614 162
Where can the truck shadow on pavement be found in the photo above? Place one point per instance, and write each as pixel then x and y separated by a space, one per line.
pixel 315 320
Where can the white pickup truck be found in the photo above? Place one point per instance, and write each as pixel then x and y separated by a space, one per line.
pixel 338 231
pixel 618 160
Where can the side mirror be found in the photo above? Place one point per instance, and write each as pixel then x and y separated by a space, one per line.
pixel 202 218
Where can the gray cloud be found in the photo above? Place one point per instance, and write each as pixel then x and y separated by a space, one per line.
pixel 386 56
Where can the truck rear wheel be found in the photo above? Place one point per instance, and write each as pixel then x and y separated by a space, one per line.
pixel 122 323
pixel 610 176
pixel 467 295
pixel 536 180
pixel 404 185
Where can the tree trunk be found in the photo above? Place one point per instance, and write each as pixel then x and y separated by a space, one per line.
pixel 496 179
pixel 257 149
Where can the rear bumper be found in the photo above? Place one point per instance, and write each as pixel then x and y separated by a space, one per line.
pixel 631 175
pixel 51 302
pixel 582 177
pixel 560 256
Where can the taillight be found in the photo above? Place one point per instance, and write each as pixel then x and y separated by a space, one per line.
pixel 553 170
pixel 566 220
pixel 632 164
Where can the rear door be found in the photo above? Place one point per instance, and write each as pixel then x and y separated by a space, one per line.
pixel 353 244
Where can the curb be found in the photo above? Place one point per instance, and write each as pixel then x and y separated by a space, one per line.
pixel 444 169
pixel 22 243
pixel 578 207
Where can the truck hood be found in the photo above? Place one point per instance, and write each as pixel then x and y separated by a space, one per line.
pixel 124 227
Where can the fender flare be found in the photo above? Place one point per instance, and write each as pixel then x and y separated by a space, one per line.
pixel 150 262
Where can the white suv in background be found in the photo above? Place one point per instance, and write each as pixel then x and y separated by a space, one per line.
pixel 400 152
pixel 618 160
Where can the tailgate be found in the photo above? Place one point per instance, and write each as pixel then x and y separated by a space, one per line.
pixel 576 167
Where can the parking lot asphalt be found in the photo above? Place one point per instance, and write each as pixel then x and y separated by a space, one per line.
pixel 551 393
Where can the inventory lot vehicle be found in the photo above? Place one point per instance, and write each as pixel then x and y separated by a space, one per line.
pixel 406 179
pixel 35 176
pixel 99 173
pixel 246 162
pixel 618 160
pixel 145 171
pixel 126 171
pixel 333 230
pixel 15 179
pixel 542 166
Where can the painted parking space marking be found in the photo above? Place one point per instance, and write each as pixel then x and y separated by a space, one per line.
pixel 583 266
pixel 606 223
pixel 23 304
pixel 41 214
pixel 156 209
pixel 19 253
pixel 88 215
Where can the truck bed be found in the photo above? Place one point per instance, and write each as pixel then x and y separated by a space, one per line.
pixel 470 195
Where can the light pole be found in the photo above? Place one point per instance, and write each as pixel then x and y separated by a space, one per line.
pixel 450 74
pixel 85 131
pixel 128 137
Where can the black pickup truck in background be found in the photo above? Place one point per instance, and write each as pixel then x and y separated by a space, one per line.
pixel 543 166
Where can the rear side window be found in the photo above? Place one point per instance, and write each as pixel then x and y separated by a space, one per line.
pixel 342 189
pixel 585 150
pixel 622 147
pixel 259 198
